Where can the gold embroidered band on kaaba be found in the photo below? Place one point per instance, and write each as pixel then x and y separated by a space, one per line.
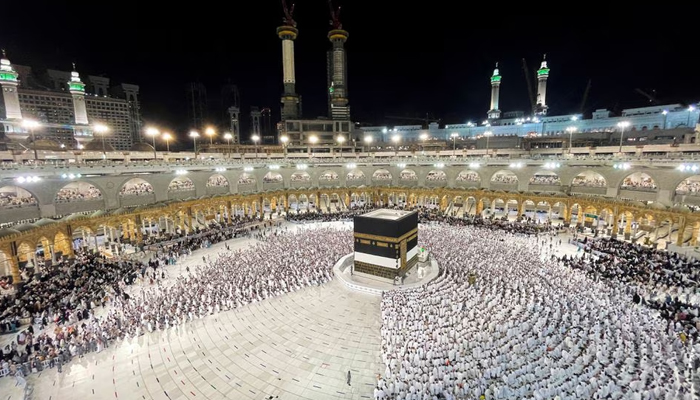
pixel 386 238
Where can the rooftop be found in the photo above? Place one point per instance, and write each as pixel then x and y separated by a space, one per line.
pixel 383 213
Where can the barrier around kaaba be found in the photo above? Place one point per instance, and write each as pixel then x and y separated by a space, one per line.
pixel 386 243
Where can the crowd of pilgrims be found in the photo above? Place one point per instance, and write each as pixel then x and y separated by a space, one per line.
pixel 639 183
pixel 135 189
pixel 505 319
pixel 180 184
pixel 12 200
pixel 590 181
pixel 68 194
pixel 272 177
pixel 504 178
pixel 470 176
pixel 667 282
pixel 545 180
pixel 217 181
pixel 689 187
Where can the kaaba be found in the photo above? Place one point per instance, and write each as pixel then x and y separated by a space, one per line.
pixel 386 243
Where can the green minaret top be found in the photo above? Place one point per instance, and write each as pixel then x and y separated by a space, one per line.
pixel 496 77
pixel 75 85
pixel 7 73
pixel 544 70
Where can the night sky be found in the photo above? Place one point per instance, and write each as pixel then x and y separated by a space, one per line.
pixel 405 58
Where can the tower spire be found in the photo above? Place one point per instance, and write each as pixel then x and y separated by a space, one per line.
pixel 542 75
pixel 494 112
pixel 76 87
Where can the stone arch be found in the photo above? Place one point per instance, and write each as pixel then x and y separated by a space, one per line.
pixel 328 176
pixel 408 175
pixel 217 180
pixel 381 175
pixel 300 176
pixel 469 176
pixel 589 178
pixel 26 252
pixel 78 191
pixel 135 187
pixel 273 177
pixel 550 178
pixel 180 184
pixel 504 177
pixel 12 196
pixel 436 175
pixel 62 244
pixel 560 210
pixel 689 186
pixel 639 181
pixel 246 179
pixel 355 175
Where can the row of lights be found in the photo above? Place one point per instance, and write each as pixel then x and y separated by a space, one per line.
pixel 27 179
pixel 623 166
pixel 552 165
pixel 220 169
pixel 516 165
pixel 274 167
pixel 688 167
pixel 248 169
pixel 440 165
pixel 351 166
pixel 302 166
pixel 474 165
pixel 71 176
pixel 180 172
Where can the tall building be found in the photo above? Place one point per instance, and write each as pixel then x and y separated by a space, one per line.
pixel 542 75
pixel 197 108
pixel 235 124
pixel 66 108
pixel 255 115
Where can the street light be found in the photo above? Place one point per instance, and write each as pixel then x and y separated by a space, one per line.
pixel 313 139
pixel 454 136
pixel 228 138
pixel 285 140
pixel 423 137
pixel 341 140
pixel 571 130
pixel 622 125
pixel 31 124
pixel 153 132
pixel 211 133
pixel 102 130
pixel 194 135
pixel 255 139
pixel 167 137
pixel 488 135
pixel 396 139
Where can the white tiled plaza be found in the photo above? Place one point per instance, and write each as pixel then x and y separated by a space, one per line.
pixel 298 346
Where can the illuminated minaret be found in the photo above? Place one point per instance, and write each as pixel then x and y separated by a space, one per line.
pixel 291 102
pixel 494 112
pixel 542 75
pixel 337 68
pixel 77 89
pixel 9 83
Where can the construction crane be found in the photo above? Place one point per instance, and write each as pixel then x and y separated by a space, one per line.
pixel 530 91
pixel 335 16
pixel 585 97
pixel 288 14
pixel 652 98
pixel 426 121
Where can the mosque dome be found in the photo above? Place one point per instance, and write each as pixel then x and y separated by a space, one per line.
pixel 141 146
pixel 96 145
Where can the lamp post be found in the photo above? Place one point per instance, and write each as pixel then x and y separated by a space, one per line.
pixel 102 130
pixel 153 132
pixel 285 140
pixel 211 133
pixel 368 140
pixel 228 138
pixel 622 125
pixel 488 135
pixel 571 130
pixel 194 135
pixel 166 136
pixel 313 139
pixel 423 137
pixel 341 140
pixel 454 136
pixel 255 139
pixel 31 124
pixel 396 139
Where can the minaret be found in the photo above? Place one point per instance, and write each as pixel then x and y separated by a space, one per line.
pixel 234 113
pixel 9 83
pixel 494 112
pixel 291 103
pixel 542 75
pixel 337 68
pixel 77 88
pixel 255 120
